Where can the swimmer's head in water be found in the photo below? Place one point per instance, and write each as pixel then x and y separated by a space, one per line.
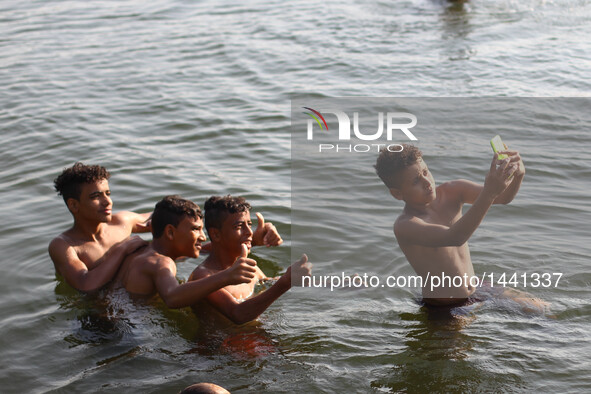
pixel 69 183
pixel 204 388
pixel 218 208
pixel 172 210
pixel 390 165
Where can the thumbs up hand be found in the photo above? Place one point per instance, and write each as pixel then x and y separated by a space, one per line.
pixel 243 270
pixel 298 270
pixel 265 233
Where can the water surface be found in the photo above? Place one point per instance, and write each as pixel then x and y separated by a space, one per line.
pixel 194 98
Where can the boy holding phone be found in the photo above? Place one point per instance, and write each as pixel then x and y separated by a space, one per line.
pixel 432 231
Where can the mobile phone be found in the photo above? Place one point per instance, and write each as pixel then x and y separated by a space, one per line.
pixel 497 145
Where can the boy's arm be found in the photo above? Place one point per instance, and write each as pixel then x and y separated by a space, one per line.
pixel 469 191
pixel 75 271
pixel 417 231
pixel 177 295
pixel 242 312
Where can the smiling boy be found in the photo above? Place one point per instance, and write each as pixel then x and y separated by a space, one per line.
pixel 432 231
pixel 227 220
pixel 89 253
pixel 177 230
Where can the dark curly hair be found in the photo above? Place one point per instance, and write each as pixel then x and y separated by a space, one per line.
pixel 218 208
pixel 389 165
pixel 69 183
pixel 172 210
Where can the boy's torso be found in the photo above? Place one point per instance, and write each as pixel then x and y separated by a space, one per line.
pixel 239 292
pixel 444 260
pixel 90 252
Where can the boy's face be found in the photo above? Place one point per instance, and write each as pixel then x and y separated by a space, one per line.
pixel 417 185
pixel 95 203
pixel 236 230
pixel 188 237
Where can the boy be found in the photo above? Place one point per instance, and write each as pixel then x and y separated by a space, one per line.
pixel 227 220
pixel 89 254
pixel 431 231
pixel 177 230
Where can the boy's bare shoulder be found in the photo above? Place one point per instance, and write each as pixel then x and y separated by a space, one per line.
pixel 403 221
pixel 63 241
pixel 200 272
pixel 122 217
pixel 447 193
pixel 60 240
pixel 59 244
pixel 456 189
pixel 152 261
pixel 458 192
pixel 451 186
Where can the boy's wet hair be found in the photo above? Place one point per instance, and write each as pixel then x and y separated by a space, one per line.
pixel 172 210
pixel 69 183
pixel 218 208
pixel 389 165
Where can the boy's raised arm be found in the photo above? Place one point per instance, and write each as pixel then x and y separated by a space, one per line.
pixel 416 231
pixel 141 222
pixel 469 191
pixel 75 271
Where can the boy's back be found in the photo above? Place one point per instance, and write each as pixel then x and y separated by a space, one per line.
pixel 139 271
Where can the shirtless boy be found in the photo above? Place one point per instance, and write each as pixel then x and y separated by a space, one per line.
pixel 89 254
pixel 177 229
pixel 431 231
pixel 227 220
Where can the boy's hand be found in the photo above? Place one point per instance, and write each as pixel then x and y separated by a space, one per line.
pixel 515 160
pixel 243 269
pixel 298 270
pixel 499 176
pixel 266 233
pixel 144 227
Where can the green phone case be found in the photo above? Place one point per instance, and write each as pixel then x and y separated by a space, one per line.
pixel 497 145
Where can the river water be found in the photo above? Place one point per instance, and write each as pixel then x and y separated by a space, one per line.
pixel 196 98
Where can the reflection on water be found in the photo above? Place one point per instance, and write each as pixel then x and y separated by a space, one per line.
pixel 455 27
pixel 247 342
pixel 455 21
pixel 117 319
pixel 437 355
pixel 437 332
pixel 98 323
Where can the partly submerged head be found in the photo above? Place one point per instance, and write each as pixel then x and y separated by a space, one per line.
pixel 204 388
